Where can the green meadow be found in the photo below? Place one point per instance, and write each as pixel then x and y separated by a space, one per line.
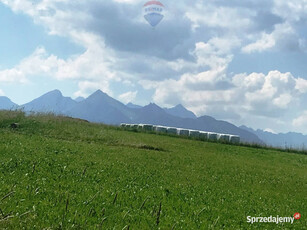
pixel 63 173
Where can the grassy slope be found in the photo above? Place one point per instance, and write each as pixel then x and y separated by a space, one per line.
pixel 68 174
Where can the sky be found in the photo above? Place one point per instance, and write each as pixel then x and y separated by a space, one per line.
pixel 239 61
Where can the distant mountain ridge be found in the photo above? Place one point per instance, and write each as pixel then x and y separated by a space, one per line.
pixel 281 140
pixel 52 101
pixel 6 103
pixel 178 110
pixel 101 108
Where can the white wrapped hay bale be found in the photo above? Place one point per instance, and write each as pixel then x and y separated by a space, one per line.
pixel 171 130
pixel 183 132
pixel 203 135
pixel 234 139
pixel 223 137
pixel 123 125
pixel 212 136
pixel 161 129
pixel 134 126
pixel 194 133
pixel 148 127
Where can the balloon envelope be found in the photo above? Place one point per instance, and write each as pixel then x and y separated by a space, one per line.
pixel 153 12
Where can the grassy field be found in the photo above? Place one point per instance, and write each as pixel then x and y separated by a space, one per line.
pixel 60 173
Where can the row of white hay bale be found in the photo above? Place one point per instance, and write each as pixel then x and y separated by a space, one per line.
pixel 184 132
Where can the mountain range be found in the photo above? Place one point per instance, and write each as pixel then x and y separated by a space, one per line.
pixel 101 108
pixel 281 140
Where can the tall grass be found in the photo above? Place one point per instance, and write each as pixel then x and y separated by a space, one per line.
pixel 61 173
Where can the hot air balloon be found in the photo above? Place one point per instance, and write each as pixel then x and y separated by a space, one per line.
pixel 153 12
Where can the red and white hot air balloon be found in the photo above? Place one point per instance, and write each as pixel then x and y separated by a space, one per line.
pixel 153 12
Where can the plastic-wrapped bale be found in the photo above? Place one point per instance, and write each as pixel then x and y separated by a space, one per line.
pixel 194 133
pixel 234 139
pixel 212 136
pixel 183 132
pixel 171 130
pixel 134 126
pixel 128 126
pixel 148 127
pixel 140 127
pixel 123 125
pixel 161 129
pixel 223 137
pixel 203 135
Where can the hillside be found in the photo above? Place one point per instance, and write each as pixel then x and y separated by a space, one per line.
pixel 63 173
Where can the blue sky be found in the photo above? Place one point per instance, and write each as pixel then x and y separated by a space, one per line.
pixel 240 61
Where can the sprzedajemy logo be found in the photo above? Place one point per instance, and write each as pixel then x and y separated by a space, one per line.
pixel 273 219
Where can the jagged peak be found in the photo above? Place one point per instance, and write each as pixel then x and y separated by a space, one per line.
pixel 98 93
pixel 180 106
pixel 55 92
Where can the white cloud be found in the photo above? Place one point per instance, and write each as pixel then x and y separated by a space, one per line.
pixel 12 76
pixel 283 101
pixel 2 93
pixel 269 41
pixel 251 82
pixel 212 54
pixel 91 66
pixel 87 65
pixel 300 123
pixel 219 16
pixel 266 41
pixel 276 92
pixel 293 10
pixel 37 63
pixel 128 97
pixel 94 63
pixel 301 85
